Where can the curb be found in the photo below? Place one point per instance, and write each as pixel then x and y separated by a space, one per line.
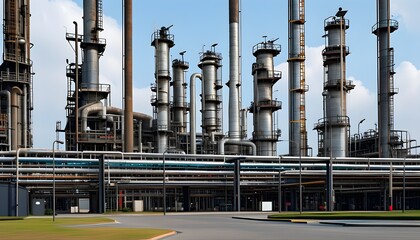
pixel 264 219
pixel 164 235
pixel 338 223
pixel 349 224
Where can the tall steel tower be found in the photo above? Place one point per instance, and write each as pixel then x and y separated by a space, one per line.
pixel 16 77
pixel 265 136
pixel 163 41
pixel 298 139
pixel 211 99
pixel 333 129
pixel 386 91
pixel 179 105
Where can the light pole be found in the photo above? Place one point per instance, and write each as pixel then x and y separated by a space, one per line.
pixel 164 183
pixel 358 135
pixel 17 183
pixel 300 179
pixel 53 160
pixel 279 192
pixel 358 126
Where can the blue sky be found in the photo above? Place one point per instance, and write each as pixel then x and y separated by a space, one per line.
pixel 203 23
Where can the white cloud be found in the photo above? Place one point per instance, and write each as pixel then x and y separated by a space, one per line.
pixel 361 104
pixel 49 22
pixel 407 79
pixel 406 12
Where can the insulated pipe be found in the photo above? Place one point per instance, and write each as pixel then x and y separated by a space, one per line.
pixel 192 112
pixel 9 115
pixel 234 84
pixel 87 109
pixel 128 76
pixel 14 125
pixel 25 117
pixel 136 115
pixel 248 143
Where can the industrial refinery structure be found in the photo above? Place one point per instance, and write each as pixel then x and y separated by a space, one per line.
pixel 115 157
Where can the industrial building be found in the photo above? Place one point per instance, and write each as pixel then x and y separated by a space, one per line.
pixel 115 158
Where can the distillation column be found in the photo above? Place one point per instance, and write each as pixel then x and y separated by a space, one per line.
pixel 386 91
pixel 264 136
pixel 179 105
pixel 298 139
pixel 16 77
pixel 210 63
pixel 162 40
pixel 333 129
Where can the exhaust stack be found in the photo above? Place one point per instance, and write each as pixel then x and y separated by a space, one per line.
pixel 298 139
pixel 93 47
pixel 234 83
pixel 128 76
pixel 386 91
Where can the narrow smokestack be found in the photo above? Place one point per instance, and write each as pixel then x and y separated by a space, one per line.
pixel 233 11
pixel 128 76
pixel 386 91
pixel 297 86
pixel 234 84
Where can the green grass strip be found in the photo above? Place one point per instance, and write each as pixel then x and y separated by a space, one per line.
pixel 44 228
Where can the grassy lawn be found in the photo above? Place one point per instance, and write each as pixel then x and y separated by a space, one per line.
pixel 394 215
pixel 44 229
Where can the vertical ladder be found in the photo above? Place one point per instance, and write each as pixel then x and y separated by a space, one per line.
pixel 100 15
pixel 392 91
pixel 303 133
pixel 12 26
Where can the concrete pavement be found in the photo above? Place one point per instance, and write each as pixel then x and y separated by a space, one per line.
pixel 349 223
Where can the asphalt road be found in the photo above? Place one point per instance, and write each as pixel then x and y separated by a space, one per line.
pixel 223 226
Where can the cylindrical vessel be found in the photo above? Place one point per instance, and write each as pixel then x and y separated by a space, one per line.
pixel 210 62
pixel 180 105
pixel 162 40
pixel 335 126
pixel 265 136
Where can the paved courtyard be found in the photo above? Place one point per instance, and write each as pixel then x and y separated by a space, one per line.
pixel 223 226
